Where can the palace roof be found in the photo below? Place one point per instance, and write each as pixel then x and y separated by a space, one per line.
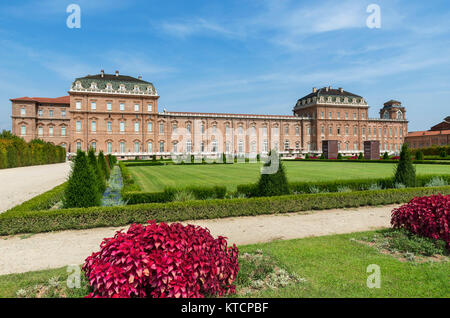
pixel 44 100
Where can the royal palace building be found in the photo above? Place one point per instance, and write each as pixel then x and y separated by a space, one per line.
pixel 120 115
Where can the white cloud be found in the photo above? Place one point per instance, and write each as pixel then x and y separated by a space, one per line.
pixel 196 26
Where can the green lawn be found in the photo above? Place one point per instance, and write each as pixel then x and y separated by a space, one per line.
pixel 155 178
pixel 333 266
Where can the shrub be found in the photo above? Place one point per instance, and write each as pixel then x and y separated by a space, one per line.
pixel 161 260
pixel 425 216
pixel 307 156
pixel 99 175
pixel 385 156
pixel 322 156
pixel 442 153
pixel 182 196
pixel 271 184
pixel 82 187
pixel 406 242
pixel 405 172
pixel 83 218
pixel 103 164
pixel 419 155
pixel 437 182
pixel 339 156
pixel 360 156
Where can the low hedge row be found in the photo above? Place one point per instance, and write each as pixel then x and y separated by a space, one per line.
pixel 127 179
pixel 52 220
pixel 43 201
pixel 433 150
pixel 251 190
pixel 168 195
pixel 371 161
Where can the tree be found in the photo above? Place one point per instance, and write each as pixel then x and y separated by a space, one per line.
pixel 419 155
pixel 271 184
pixel 405 173
pixel 99 174
pixel 82 188
pixel 339 156
pixel 103 164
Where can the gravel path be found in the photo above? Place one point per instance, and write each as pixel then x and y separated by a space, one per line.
pixel 23 253
pixel 21 184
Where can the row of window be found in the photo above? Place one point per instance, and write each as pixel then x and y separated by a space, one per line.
pixel 51 130
pixel 109 106
pixel 392 131
pixel 23 112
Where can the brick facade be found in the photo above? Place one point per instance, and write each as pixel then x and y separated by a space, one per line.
pixel 120 115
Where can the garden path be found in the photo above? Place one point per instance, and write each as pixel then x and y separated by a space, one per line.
pixel 18 185
pixel 23 253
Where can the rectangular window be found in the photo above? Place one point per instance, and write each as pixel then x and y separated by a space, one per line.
pixel 23 112
pixel 40 131
pixel 161 128
pixel 355 131
pixel 286 130
pixel 78 125
pixel 40 113
pixel 346 117
pixel 109 126
pixel 50 131
pixel 94 145
pixel 63 131
pixel 330 130
pixel 161 146
pixel 346 131
pixel 354 116
pixel 136 147
pixel 50 113
pixel 94 126
pixel 78 145
pixel 150 147
pixel 150 127
pixel 78 104
pixel 321 115
pixel 122 106
pixel 109 147
pixel 362 116
pixel 122 147
pixel 338 115
pixel 63 113
pixel 23 130
pixel 174 128
pixel 108 106
pixel 136 127
pixel 355 146
pixel 339 131
pixel 93 105
pixel 122 126
pixel 329 115
pixel 149 107
pixel 297 131
pixel 363 131
pixel 136 107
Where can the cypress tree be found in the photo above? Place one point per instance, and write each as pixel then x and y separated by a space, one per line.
pixel 103 164
pixel 82 188
pixel 405 172
pixel 419 155
pixel 385 156
pixel 98 172
pixel 275 183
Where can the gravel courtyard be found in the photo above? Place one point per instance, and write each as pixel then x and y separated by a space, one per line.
pixel 21 184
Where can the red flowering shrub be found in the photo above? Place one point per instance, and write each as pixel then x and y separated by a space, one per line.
pixel 426 216
pixel 395 158
pixel 161 260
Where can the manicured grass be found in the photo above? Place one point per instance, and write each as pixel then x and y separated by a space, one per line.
pixel 155 178
pixel 333 266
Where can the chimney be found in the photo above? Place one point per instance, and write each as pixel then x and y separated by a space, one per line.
pixel 140 77
pixel 117 73
pixel 314 90
pixel 341 89
pixel 102 72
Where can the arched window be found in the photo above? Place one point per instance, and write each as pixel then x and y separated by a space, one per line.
pixel 386 115
pixel 399 115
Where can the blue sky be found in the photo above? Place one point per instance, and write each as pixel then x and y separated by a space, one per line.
pixel 245 56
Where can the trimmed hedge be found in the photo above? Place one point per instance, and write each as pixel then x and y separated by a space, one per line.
pixel 419 162
pixel 128 182
pixel 79 218
pixel 251 189
pixel 43 201
pixel 433 150
pixel 199 192
pixel 15 152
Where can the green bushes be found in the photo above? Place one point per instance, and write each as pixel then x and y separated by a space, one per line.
pixel 103 165
pixel 43 221
pixel 15 152
pixel 99 173
pixel 273 183
pixel 419 155
pixel 405 173
pixel 171 193
pixel 82 188
pixel 434 150
pixel 128 182
pixel 385 156
pixel 251 190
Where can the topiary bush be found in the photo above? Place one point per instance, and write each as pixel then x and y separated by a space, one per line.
pixel 99 174
pixel 103 164
pixel 161 260
pixel 419 155
pixel 405 172
pixel 386 156
pixel 82 186
pixel 271 184
pixel 360 156
pixel 426 216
